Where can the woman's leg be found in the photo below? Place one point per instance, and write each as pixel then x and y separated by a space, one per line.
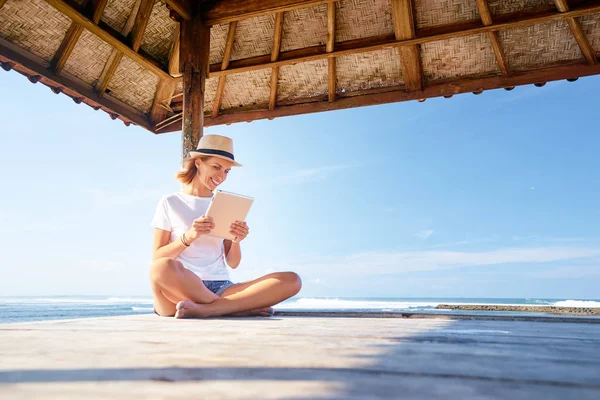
pixel 171 283
pixel 266 291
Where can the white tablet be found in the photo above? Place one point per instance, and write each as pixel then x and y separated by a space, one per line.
pixel 225 208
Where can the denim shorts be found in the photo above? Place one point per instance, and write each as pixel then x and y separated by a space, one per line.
pixel 217 287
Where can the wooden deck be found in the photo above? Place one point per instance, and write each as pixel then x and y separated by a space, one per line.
pixel 301 357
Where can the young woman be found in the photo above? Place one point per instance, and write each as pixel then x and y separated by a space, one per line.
pixel 189 274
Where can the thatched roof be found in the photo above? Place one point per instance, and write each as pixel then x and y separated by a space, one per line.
pixel 282 57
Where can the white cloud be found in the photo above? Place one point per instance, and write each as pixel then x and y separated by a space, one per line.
pixel 424 233
pixel 568 273
pixel 306 175
pixel 385 263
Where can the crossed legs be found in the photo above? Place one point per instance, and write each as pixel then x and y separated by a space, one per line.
pixel 179 292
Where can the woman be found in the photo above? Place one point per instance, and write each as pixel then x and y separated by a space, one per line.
pixel 189 275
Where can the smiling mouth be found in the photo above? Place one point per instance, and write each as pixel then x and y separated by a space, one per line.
pixel 213 182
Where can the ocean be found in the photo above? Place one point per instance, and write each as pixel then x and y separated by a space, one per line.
pixel 21 309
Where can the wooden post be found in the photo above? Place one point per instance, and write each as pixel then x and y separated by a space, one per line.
pixel 194 51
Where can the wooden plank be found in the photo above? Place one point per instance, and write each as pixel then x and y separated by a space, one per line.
pixel 486 18
pixel 224 65
pixel 194 53
pixel 582 41
pixel 410 56
pixel 373 97
pixel 377 43
pixel 174 68
pixel 181 7
pixel 331 73
pixel 19 56
pixel 109 37
pixel 225 11
pixel 277 35
pixel 72 36
pixel 317 357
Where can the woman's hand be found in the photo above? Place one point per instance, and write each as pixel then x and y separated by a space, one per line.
pixel 200 226
pixel 240 230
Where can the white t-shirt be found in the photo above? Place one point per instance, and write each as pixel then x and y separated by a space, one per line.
pixel 206 255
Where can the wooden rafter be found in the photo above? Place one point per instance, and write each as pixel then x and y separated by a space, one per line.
pixel 134 29
pixel 32 66
pixel 166 87
pixel 379 96
pixel 109 36
pixel 578 33
pixel 224 65
pixel 72 36
pixel 356 46
pixel 277 35
pixel 329 48
pixel 486 18
pixel 174 69
pixel 410 56
pixel 225 11
pixel 181 7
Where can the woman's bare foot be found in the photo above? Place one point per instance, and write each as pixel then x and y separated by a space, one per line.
pixel 189 309
pixel 258 312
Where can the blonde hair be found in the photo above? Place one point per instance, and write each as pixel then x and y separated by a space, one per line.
pixel 189 171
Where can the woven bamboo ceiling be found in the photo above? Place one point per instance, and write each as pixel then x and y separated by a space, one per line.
pixel 273 58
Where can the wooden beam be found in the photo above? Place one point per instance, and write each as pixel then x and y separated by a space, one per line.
pixel 2 2
pixel 141 23
pixel 110 67
pixel 76 89
pixel 356 46
pixel 225 11
pixel 329 48
pixel 66 47
pixel 194 52
pixel 486 18
pixel 72 36
pixel 277 35
pixel 378 96
pixel 410 56
pixel 582 41
pixel 109 37
pixel 174 68
pixel 181 7
pixel 162 98
pixel 224 65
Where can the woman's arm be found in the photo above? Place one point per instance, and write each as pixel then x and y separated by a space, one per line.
pixel 233 253
pixel 162 248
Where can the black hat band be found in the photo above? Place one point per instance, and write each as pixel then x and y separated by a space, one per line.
pixel 216 153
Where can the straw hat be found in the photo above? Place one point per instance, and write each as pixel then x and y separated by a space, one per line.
pixel 215 146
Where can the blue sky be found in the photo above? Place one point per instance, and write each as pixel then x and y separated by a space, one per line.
pixel 493 195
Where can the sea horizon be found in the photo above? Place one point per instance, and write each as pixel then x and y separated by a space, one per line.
pixel 41 308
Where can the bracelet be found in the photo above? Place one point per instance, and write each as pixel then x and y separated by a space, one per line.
pixel 184 241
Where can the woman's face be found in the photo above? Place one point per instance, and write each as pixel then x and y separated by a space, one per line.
pixel 213 171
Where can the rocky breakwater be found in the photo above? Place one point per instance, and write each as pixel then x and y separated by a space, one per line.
pixel 577 311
